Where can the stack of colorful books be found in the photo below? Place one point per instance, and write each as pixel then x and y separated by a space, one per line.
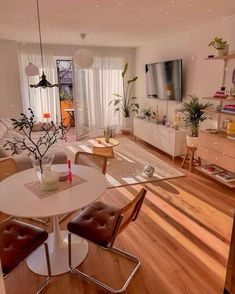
pixel 212 169
pixel 226 176
pixel 219 172
pixel 220 94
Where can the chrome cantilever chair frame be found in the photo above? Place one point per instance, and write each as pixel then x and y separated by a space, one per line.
pixel 113 249
pixel 45 283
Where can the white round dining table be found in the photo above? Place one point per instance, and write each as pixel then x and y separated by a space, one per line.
pixel 17 200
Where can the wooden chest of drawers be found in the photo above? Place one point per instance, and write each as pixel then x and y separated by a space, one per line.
pixel 217 149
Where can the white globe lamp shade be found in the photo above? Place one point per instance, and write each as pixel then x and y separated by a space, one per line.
pixel 31 70
pixel 83 58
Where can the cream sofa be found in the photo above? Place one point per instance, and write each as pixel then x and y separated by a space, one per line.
pixel 22 159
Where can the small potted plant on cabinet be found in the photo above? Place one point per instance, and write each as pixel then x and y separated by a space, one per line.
pixel 126 103
pixel 193 115
pixel 220 45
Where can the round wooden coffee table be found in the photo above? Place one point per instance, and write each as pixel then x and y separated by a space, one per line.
pixel 100 146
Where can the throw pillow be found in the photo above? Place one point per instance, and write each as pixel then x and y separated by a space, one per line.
pixel 3 151
pixel 10 134
pixel 7 122
pixel 3 130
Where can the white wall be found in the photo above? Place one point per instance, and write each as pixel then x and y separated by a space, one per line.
pixel 10 93
pixel 201 77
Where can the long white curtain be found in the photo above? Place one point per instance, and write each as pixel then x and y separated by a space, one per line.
pixel 94 89
pixel 40 100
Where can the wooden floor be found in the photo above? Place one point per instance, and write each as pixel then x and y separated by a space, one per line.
pixel 182 237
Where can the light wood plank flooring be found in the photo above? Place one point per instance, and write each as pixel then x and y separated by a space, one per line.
pixel 182 237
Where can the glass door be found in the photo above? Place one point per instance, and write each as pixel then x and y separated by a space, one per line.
pixel 80 103
pixel 65 80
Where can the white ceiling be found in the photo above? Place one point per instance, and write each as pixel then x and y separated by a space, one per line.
pixel 127 23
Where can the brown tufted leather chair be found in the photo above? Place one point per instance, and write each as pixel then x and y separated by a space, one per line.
pixel 18 240
pixel 97 161
pixel 101 224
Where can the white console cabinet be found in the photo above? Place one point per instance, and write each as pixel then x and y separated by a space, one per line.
pixel 169 140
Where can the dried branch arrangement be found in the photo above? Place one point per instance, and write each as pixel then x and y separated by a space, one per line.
pixel 37 147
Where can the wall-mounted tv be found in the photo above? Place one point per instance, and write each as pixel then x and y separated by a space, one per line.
pixel 164 80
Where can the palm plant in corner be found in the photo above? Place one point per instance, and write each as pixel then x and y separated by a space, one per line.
pixel 194 114
pixel 126 103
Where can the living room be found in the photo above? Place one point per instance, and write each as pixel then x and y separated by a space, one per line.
pixel 128 144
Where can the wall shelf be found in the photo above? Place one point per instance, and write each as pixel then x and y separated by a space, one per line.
pixel 230 98
pixel 225 57
pixel 225 114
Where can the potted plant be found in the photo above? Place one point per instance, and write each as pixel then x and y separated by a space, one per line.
pixel 126 103
pixel 220 45
pixel 193 115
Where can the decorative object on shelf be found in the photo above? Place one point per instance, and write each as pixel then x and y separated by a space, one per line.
pixel 232 89
pixel 125 103
pixel 231 128
pixel 220 45
pixel 232 92
pixel 224 123
pixel 83 57
pixel 193 115
pixel 157 114
pixel 168 124
pixel 178 119
pixel 36 148
pixel 221 94
pixel 212 131
pixel 164 120
pixel 31 70
pixel 43 83
pixel 148 113
pixel 107 134
pixel 149 170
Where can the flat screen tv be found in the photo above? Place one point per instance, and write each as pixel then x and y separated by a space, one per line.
pixel 164 80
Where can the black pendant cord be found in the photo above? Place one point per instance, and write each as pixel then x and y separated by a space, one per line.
pixel 40 35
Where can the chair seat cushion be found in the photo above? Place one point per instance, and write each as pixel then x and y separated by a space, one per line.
pixel 95 223
pixel 17 241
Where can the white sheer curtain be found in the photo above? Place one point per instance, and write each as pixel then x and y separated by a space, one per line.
pixel 40 100
pixel 94 89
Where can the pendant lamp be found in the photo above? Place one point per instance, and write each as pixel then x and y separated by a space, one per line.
pixel 43 80
pixel 31 70
pixel 83 57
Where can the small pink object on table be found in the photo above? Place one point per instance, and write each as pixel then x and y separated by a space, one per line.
pixel 69 171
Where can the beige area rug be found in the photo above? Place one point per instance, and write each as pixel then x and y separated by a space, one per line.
pixel 128 163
